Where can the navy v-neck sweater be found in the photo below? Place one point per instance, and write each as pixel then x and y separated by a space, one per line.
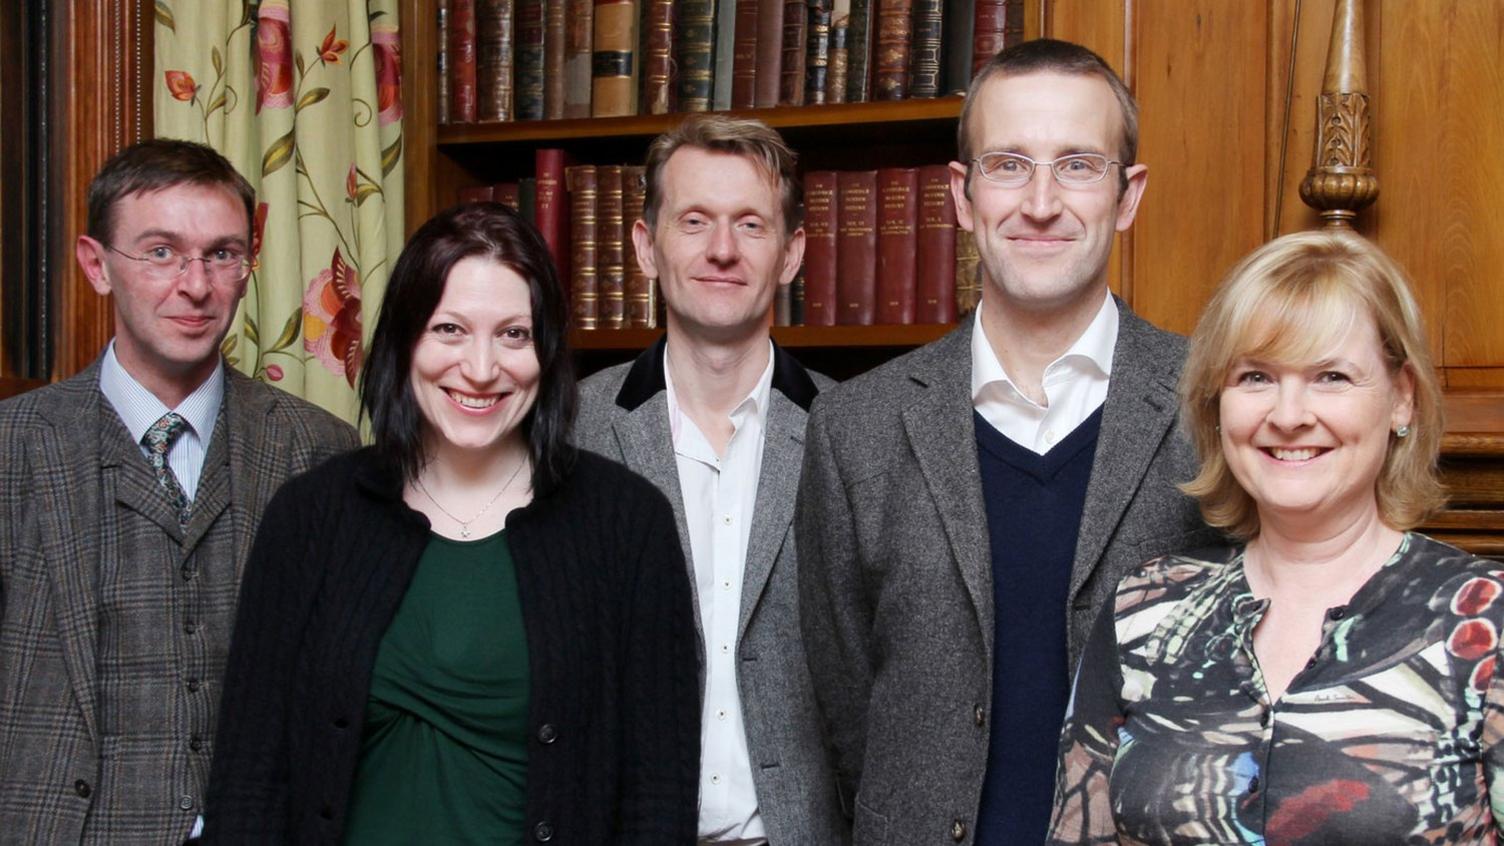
pixel 1034 505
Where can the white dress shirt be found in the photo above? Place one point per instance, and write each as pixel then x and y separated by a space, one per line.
pixel 139 408
pixel 720 493
pixel 1075 385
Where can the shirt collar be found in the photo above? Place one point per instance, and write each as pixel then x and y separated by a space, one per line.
pixel 139 408
pixel 754 403
pixel 1093 348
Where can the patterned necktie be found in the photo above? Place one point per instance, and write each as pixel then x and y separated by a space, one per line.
pixel 158 440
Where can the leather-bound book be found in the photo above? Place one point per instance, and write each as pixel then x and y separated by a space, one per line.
pixel 936 259
pixel 579 35
pixel 462 102
pixel 529 74
pixel 897 243
pixel 493 60
pixel 477 194
pixel 820 209
pixel 968 273
pixel 657 57
pixel 744 54
pixel 959 24
pixel 817 52
pixel 895 31
pixel 696 53
pixel 642 309
pixel 446 72
pixel 610 258
pixel 835 74
pixel 508 194
pixel 859 32
pixel 584 283
pixel 856 247
pixel 783 305
pixel 553 58
pixel 929 29
pixel 999 24
pixel 795 45
pixel 550 210
pixel 796 301
pixel 769 53
pixel 615 81
pixel 725 56
pixel 527 199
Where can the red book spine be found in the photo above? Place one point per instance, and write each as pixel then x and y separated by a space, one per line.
pixel 506 193
pixel 895 34
pixel 584 283
pixel 462 97
pixel 658 57
pixel 820 248
pixel 477 194
pixel 795 45
pixel 856 247
pixel 610 255
pixel 549 209
pixel 999 24
pixel 769 53
pixel 897 243
pixel 642 306
pixel 744 55
pixel 936 257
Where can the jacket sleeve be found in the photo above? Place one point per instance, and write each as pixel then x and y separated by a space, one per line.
pixel 835 614
pixel 248 784
pixel 1089 742
pixel 660 711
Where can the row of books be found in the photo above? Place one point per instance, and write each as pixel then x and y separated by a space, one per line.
pixel 503 60
pixel 881 246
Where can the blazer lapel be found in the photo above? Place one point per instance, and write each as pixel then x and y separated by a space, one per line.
pixel 251 453
pixel 947 456
pixel 1136 417
pixel 777 484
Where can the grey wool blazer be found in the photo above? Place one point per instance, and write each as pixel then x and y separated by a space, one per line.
pixel 56 446
pixel 896 576
pixel 624 416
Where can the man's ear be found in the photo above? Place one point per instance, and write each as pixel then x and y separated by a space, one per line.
pixel 90 255
pixel 642 243
pixel 958 174
pixel 1138 179
pixel 793 256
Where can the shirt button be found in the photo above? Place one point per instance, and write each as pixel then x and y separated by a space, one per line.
pixel 1049 436
pixel 979 714
pixel 726 585
pixel 715 778
pixel 547 733
pixel 720 714
pixel 186 803
pixel 958 831
pixel 543 832
pixel 193 685
pixel 187 573
pixel 726 519
pixel 725 649
pixel 82 788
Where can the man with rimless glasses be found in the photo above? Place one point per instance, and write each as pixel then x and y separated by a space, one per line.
pixel 965 509
pixel 129 495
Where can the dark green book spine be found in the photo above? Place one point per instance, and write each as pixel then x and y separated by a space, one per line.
pixel 696 43
pixel 530 59
pixel 929 29
pixel 859 52
pixel 818 57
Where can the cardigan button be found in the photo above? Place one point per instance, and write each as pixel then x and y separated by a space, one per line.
pixel 979 716
pixel 82 788
pixel 543 832
pixel 958 831
pixel 547 733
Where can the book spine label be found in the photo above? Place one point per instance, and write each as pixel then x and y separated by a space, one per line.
pixel 960 18
pixel 579 35
pixel 820 248
pixel 445 71
pixel 553 58
pixel 936 255
pixel 549 209
pixel 856 248
pixel 614 63
pixel 462 58
pixel 897 243
pixel 895 30
pixel 795 45
pixel 924 77
pixel 769 53
pixel 529 74
pixel 835 74
pixel 642 309
pixel 968 273
pixel 493 60
pixel 658 57
pixel 610 253
pixel 584 285
pixel 696 53
pixel 817 52
pixel 859 52
pixel 744 55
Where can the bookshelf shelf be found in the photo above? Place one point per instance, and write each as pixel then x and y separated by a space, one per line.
pixel 793 337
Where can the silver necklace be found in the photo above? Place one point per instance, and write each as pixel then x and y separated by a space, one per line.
pixel 465 524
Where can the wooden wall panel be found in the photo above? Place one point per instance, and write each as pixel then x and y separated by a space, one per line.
pixel 1200 78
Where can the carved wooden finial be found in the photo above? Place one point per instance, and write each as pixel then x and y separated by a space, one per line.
pixel 1341 179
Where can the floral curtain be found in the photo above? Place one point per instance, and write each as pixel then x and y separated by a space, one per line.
pixel 304 97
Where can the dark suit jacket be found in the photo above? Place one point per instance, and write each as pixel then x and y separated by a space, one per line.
pixel 896 582
pixel 55 449
pixel 624 416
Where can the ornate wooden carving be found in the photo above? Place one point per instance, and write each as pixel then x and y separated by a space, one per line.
pixel 1341 180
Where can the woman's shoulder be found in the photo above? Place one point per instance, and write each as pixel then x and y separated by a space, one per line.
pixel 1172 578
pixel 1449 574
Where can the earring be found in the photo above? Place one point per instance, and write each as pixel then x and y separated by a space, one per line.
pixel 1402 431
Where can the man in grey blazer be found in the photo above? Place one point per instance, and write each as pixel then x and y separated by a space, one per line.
pixel 129 495
pixel 714 415
pixel 966 509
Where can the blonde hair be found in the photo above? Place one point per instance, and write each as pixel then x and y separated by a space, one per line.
pixel 1289 301
pixel 718 133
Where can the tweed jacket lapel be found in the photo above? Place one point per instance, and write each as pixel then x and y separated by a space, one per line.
pixel 253 454
pixel 1136 416
pixel 947 457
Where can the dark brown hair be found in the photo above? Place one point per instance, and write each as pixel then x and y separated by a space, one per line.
pixel 156 164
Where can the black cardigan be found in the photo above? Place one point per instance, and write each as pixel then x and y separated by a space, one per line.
pixel 614 756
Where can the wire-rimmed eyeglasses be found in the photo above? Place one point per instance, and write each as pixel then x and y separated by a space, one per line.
pixel 1014 170
pixel 164 263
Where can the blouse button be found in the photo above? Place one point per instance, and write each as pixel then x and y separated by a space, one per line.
pixel 1311 663
pixel 547 733
pixel 1336 613
pixel 1264 719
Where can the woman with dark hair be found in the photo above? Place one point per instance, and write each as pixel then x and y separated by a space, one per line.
pixel 468 631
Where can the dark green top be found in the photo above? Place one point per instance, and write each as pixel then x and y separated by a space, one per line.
pixel 443 755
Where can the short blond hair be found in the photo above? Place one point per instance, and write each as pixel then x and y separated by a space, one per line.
pixel 717 133
pixel 1287 302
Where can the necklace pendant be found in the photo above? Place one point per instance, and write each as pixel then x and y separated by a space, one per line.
pixel 464 531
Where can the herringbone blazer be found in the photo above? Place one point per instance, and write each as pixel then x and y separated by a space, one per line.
pixel 624 416
pixel 55 444
pixel 896 588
